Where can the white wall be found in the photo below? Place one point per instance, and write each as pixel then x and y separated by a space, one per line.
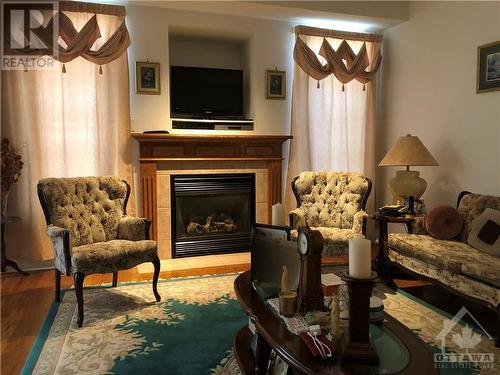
pixel 429 90
pixel 206 53
pixel 269 44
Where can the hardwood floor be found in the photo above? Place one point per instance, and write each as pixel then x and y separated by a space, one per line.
pixel 25 301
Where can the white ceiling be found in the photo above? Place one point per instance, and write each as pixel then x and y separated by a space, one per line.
pixel 369 16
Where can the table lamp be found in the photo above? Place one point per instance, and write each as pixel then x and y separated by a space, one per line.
pixel 408 151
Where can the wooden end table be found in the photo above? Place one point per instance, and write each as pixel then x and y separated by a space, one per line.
pixel 383 220
pixel 4 260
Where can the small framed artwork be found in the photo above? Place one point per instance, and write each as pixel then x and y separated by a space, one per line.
pixel 275 84
pixel 488 67
pixel 147 77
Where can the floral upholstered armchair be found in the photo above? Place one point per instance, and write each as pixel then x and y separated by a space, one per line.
pixel 90 232
pixel 333 203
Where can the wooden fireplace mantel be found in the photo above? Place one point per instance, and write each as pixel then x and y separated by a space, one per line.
pixel 156 148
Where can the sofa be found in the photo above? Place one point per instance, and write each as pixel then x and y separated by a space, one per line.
pixel 454 264
pixel 332 203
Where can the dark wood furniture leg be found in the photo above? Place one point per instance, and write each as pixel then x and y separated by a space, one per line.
pixel 497 339
pixel 156 264
pixel 409 227
pixel 359 349
pixel 382 263
pixel 381 259
pixel 262 353
pixel 78 279
pixel 4 262
pixel 57 282
pixel 382 239
pixel 115 278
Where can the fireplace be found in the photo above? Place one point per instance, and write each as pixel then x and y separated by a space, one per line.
pixel 211 213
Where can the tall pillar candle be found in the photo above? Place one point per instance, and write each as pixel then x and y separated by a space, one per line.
pixel 278 214
pixel 360 259
pixel 284 279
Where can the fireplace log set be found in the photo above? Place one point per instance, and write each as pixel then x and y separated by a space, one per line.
pixel 212 223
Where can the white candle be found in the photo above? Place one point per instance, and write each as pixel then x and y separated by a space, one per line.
pixel 360 259
pixel 284 279
pixel 278 214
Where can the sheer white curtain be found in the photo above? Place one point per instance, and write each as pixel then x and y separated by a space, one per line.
pixel 332 123
pixel 66 124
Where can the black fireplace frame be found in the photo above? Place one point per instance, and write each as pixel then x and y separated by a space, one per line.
pixel 225 243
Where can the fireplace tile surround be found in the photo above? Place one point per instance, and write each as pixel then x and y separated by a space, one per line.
pixel 164 201
pixel 164 155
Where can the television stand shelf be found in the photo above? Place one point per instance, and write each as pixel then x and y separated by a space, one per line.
pixel 205 124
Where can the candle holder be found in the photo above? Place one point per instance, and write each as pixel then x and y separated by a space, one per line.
pixel 359 349
pixel 288 303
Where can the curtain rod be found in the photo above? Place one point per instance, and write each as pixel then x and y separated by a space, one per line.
pixel 77 6
pixel 316 31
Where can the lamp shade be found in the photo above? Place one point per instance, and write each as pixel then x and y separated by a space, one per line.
pixel 408 150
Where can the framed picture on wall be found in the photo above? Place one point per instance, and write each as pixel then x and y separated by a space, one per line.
pixel 275 84
pixel 147 77
pixel 488 67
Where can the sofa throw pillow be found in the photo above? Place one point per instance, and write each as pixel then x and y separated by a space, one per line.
pixel 485 232
pixel 444 222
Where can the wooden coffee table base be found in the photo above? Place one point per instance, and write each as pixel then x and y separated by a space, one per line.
pixel 272 334
pixel 244 355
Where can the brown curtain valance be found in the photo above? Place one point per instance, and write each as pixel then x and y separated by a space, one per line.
pixel 347 35
pixel 82 7
pixel 355 66
pixel 79 43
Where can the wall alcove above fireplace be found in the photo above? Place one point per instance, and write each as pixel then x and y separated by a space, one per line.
pixel 211 213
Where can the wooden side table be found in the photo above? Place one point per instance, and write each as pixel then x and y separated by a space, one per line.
pixel 383 220
pixel 4 260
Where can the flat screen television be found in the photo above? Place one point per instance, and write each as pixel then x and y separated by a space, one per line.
pixel 206 92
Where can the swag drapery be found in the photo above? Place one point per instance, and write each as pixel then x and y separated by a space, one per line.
pixel 78 43
pixel 68 124
pixel 333 103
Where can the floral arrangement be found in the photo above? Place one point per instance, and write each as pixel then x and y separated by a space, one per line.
pixel 11 170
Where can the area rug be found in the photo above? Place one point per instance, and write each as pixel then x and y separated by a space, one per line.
pixel 438 330
pixel 191 331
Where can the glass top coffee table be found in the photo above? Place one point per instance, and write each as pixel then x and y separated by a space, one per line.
pixel 400 350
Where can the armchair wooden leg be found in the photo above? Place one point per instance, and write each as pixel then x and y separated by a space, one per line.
pixel 115 278
pixel 78 278
pixel 57 282
pixel 156 264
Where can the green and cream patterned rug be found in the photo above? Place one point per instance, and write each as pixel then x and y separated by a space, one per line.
pixel 190 332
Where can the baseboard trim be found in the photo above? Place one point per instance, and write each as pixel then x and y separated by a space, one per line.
pixel 41 265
